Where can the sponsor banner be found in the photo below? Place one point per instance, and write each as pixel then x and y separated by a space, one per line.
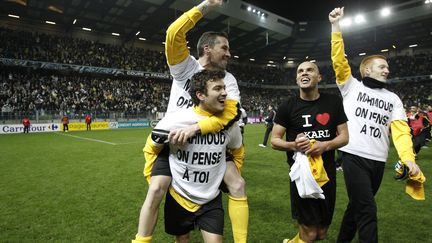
pixel 153 123
pixel 19 128
pixel 81 126
pixel 113 125
pixel 147 74
pixel 82 69
pixel 252 120
pixel 134 124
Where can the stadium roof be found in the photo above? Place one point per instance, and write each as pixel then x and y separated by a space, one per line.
pixel 291 32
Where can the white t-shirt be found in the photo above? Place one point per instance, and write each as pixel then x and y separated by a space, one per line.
pixel 369 112
pixel 198 167
pixel 182 73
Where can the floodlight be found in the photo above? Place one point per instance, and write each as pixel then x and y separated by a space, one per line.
pixel 345 22
pixel 385 12
pixel 359 19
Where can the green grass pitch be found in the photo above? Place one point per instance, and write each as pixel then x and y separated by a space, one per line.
pixel 89 187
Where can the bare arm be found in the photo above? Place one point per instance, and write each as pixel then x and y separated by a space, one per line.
pixel 175 42
pixel 301 143
pixel 334 17
pixel 339 61
pixel 340 140
pixel 277 140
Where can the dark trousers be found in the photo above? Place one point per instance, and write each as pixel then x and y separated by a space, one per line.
pixel 428 133
pixel 419 141
pixel 362 180
pixel 267 133
pixel 26 129
pixel 65 127
pixel 88 126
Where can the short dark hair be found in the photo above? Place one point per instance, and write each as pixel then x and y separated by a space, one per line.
pixel 198 82
pixel 367 61
pixel 208 38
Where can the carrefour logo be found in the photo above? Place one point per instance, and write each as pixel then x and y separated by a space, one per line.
pixel 19 128
pixel 53 127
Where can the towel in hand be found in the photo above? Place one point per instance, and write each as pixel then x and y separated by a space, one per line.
pixel 309 175
pixel 414 186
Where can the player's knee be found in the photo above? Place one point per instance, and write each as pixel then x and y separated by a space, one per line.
pixel 157 190
pixel 237 187
pixel 322 233
pixel 309 235
pixel 182 238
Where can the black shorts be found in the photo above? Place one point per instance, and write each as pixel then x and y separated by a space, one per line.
pixel 309 211
pixel 161 165
pixel 179 221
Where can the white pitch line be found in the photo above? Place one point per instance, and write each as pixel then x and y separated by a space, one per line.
pixel 129 143
pixel 90 139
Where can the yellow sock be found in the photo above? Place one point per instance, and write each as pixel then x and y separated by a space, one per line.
pixel 238 210
pixel 296 239
pixel 142 239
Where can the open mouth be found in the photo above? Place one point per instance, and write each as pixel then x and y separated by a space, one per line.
pixel 305 80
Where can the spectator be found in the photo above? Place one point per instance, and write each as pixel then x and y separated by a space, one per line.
pixel 419 124
pixel 88 121
pixel 269 125
pixel 65 121
pixel 26 124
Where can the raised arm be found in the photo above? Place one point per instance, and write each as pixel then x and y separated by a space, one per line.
pixel 175 43
pixel 339 61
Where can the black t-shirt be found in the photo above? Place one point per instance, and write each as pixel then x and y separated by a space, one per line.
pixel 318 119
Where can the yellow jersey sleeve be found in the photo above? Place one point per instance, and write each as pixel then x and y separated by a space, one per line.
pixel 238 156
pixel 175 43
pixel 339 61
pixel 218 122
pixel 151 152
pixel 401 136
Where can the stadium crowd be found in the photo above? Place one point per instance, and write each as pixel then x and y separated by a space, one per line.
pixel 75 94
pixel 24 90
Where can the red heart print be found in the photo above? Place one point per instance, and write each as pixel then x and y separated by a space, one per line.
pixel 323 118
